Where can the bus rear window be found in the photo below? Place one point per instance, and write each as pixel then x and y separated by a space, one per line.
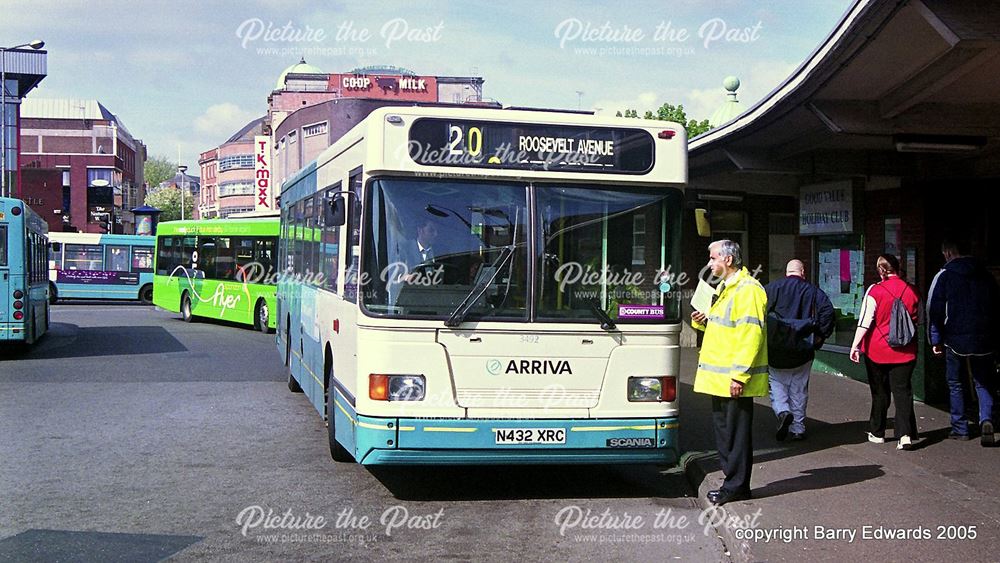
pixel 3 245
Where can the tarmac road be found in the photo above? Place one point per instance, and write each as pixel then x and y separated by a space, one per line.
pixel 126 434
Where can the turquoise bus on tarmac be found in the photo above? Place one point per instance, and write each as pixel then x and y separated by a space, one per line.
pixel 24 300
pixel 96 266
pixel 472 285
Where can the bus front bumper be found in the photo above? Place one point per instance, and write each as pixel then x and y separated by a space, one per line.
pixel 499 441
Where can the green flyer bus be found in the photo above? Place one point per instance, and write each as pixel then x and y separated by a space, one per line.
pixel 219 269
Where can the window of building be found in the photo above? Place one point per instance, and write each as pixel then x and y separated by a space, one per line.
pixel 291 137
pixel 94 174
pixel 239 187
pixel 314 129
pixel 236 161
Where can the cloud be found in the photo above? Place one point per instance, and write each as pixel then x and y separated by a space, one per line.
pixel 222 120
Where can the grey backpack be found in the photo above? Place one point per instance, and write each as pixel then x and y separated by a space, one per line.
pixel 901 329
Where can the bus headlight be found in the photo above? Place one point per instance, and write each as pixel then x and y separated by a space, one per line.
pixel 406 388
pixel 652 389
pixel 18 315
pixel 396 387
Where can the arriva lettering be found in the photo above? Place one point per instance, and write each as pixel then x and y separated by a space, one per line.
pixel 539 367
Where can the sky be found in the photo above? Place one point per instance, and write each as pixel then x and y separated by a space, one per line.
pixel 184 76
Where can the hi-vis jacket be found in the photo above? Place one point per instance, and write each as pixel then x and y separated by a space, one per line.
pixel 735 343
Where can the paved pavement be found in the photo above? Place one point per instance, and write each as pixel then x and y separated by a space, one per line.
pixel 811 496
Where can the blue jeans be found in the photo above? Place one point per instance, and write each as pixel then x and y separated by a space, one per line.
pixel 981 368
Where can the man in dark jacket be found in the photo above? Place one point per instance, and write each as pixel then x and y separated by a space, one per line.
pixel 800 318
pixel 963 308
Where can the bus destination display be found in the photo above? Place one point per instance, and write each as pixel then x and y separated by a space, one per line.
pixel 526 146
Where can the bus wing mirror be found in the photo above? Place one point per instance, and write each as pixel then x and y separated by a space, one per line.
pixel 336 211
pixel 701 220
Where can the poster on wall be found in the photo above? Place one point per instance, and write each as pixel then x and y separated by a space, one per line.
pixel 841 277
pixel 826 209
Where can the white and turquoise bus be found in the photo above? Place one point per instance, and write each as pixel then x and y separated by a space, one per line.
pixel 96 266
pixel 487 286
pixel 24 304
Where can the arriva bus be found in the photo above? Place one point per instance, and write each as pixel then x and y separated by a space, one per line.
pixel 218 268
pixel 488 286
pixel 24 300
pixel 96 266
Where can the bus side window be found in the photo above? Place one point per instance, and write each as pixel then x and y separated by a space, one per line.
pixel 243 250
pixel 308 263
pixel 224 269
pixel 165 260
pixel 55 255
pixel 329 250
pixel 116 258
pixel 206 257
pixel 353 236
pixel 142 259
pixel 264 255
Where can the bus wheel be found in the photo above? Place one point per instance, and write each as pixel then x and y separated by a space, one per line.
pixel 186 308
pixel 337 452
pixel 53 294
pixel 262 317
pixel 146 294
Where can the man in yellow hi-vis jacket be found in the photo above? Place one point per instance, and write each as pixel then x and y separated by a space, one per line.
pixel 732 366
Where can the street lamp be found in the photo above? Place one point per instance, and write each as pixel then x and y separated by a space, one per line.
pixel 36 45
pixel 181 170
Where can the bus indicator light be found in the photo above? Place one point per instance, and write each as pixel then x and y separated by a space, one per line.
pixel 18 304
pixel 378 387
pixel 18 294
pixel 18 315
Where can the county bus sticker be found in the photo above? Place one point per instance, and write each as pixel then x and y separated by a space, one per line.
pixel 640 311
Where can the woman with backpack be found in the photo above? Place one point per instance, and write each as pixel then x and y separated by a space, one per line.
pixel 885 335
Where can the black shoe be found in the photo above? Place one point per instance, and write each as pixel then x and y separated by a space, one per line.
pixel 721 496
pixel 986 439
pixel 784 421
pixel 798 436
pixel 957 436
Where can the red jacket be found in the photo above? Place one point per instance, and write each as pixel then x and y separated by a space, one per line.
pixel 874 343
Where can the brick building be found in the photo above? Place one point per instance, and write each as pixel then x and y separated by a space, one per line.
pixel 100 162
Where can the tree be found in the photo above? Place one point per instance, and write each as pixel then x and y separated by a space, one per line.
pixel 669 112
pixel 168 200
pixel 159 169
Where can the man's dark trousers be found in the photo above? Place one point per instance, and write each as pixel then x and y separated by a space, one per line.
pixel 982 370
pixel 733 421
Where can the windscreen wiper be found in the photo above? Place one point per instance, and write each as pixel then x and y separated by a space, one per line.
pixel 606 322
pixel 465 306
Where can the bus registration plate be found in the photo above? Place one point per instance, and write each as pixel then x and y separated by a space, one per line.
pixel 530 435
